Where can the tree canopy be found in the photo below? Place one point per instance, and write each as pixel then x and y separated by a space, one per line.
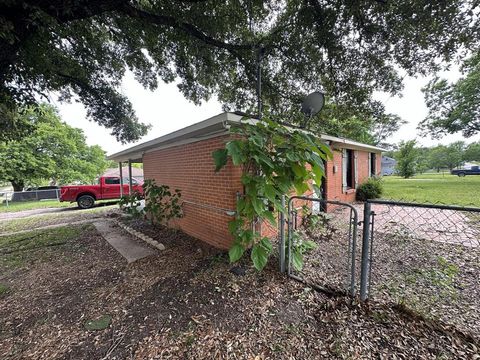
pixel 407 158
pixel 373 128
pixel 81 50
pixel 472 152
pixel 453 107
pixel 53 151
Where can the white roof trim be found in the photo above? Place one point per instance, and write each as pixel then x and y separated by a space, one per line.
pixel 347 143
pixel 211 127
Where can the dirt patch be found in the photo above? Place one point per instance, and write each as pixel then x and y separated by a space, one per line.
pixel 184 303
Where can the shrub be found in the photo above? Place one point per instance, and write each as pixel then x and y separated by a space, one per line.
pixel 370 189
pixel 131 203
pixel 162 205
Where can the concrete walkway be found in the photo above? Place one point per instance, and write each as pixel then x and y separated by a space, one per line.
pixel 122 241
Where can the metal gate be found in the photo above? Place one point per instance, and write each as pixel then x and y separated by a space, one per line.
pixel 321 244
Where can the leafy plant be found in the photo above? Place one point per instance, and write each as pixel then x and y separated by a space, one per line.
pixel 162 205
pixel 100 323
pixel 318 226
pixel 300 246
pixel 370 189
pixel 130 204
pixel 275 160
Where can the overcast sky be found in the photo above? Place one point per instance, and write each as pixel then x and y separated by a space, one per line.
pixel 167 110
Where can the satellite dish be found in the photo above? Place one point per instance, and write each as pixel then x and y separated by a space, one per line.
pixel 313 103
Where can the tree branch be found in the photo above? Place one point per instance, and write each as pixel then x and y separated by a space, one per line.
pixel 187 28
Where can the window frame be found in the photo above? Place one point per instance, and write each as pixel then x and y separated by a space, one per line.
pixel 112 177
pixel 372 164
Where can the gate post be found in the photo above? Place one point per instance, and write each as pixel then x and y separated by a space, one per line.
pixel 365 251
pixel 281 229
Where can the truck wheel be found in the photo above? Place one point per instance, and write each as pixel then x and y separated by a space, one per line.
pixel 85 201
pixel 462 174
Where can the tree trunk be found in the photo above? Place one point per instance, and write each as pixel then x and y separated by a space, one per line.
pixel 18 185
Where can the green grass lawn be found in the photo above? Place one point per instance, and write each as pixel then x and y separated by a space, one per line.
pixel 44 204
pixel 434 188
pixel 30 205
pixel 32 222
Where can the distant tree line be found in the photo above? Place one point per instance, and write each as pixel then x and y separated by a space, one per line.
pixel 412 159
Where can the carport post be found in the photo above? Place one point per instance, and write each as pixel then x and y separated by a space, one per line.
pixel 121 178
pixel 130 177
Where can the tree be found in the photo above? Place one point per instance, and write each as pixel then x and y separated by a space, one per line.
pixel 423 159
pixel 81 49
pixel 472 152
pixel 438 157
pixel 407 157
pixel 373 127
pixel 455 154
pixel 454 107
pixel 53 151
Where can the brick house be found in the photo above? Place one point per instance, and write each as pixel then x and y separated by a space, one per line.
pixel 183 160
pixel 137 173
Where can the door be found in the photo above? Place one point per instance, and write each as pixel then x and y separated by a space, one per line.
pixel 111 188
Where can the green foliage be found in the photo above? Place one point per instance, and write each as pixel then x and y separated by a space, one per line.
pixel 275 161
pixel 131 202
pixel 162 205
pixel 300 246
pixel 369 126
pixel 454 107
pixel 446 156
pixel 82 49
pixel 472 152
pixel 52 151
pixel 407 157
pixel 370 189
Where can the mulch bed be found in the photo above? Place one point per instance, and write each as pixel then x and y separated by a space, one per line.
pixel 184 303
pixel 439 280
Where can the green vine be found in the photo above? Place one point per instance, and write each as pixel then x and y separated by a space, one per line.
pixel 276 160
pixel 163 204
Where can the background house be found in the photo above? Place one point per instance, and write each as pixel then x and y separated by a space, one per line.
pixel 137 173
pixel 183 160
pixel 388 165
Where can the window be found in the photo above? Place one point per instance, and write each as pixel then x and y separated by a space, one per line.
pixel 373 164
pixel 126 181
pixel 349 169
pixel 112 181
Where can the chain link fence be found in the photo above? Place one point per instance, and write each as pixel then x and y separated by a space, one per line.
pixel 426 257
pixel 327 241
pixel 8 197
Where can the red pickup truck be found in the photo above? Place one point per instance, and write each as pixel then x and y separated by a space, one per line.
pixel 106 188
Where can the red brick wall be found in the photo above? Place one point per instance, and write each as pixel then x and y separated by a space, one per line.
pixel 190 168
pixel 334 180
